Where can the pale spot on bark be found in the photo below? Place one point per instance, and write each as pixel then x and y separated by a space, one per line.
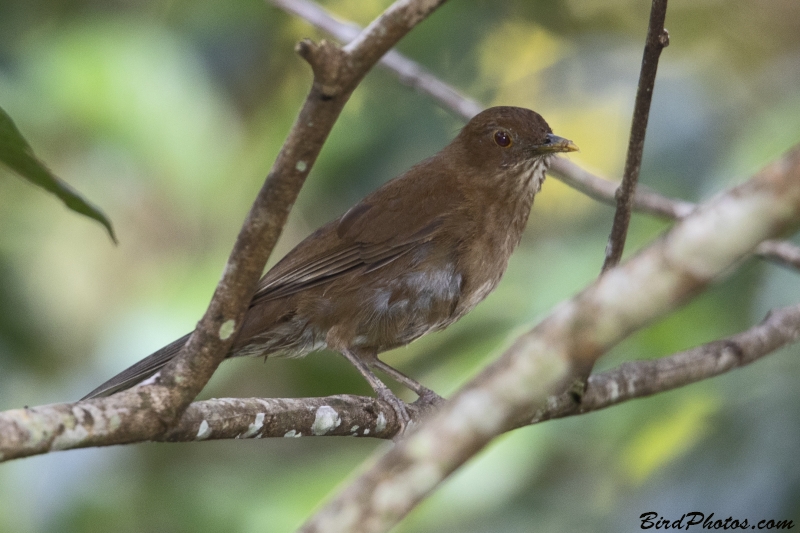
pixel 226 329
pixel 253 428
pixel 380 425
pixel 204 431
pixel 325 420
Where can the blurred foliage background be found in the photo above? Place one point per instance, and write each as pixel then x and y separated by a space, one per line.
pixel 168 114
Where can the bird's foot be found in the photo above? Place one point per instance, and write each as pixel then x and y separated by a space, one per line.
pixel 399 406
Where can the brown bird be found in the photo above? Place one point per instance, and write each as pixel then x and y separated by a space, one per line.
pixel 412 257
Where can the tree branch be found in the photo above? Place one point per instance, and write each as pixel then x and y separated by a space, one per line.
pixel 781 252
pixel 657 40
pixel 548 359
pixel 342 415
pixel 337 72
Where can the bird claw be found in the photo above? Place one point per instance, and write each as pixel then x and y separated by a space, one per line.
pixel 399 406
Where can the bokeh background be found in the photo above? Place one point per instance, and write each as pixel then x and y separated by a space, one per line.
pixel 168 114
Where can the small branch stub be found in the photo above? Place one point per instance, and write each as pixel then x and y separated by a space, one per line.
pixel 663 39
pixel 330 65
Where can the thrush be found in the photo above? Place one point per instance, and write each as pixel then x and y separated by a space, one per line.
pixel 413 257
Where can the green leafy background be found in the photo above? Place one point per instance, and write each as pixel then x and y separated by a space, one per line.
pixel 169 114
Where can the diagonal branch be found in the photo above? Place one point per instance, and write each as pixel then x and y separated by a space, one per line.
pixel 657 40
pixel 337 72
pixel 781 252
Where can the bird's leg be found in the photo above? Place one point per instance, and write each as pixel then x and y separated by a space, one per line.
pixel 381 391
pixel 425 394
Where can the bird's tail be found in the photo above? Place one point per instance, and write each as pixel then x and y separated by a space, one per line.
pixel 140 371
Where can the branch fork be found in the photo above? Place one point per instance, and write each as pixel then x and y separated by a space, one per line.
pixel 333 72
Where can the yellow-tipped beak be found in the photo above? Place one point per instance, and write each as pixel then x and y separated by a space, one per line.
pixel 556 144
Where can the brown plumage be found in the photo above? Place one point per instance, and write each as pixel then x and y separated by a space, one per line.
pixel 412 257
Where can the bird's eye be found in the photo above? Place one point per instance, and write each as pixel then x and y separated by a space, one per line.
pixel 502 139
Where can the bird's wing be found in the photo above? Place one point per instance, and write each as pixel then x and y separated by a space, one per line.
pixel 381 228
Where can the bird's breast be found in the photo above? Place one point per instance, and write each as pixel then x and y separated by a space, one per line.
pixel 408 306
pixel 496 231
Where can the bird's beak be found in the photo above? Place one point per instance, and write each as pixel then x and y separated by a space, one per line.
pixel 554 144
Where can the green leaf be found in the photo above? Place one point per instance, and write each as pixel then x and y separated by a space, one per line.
pixel 16 154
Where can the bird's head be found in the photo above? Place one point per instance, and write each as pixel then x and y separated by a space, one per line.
pixel 504 138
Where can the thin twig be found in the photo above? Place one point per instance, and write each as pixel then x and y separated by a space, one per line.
pixel 657 40
pixel 603 190
pixel 781 252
